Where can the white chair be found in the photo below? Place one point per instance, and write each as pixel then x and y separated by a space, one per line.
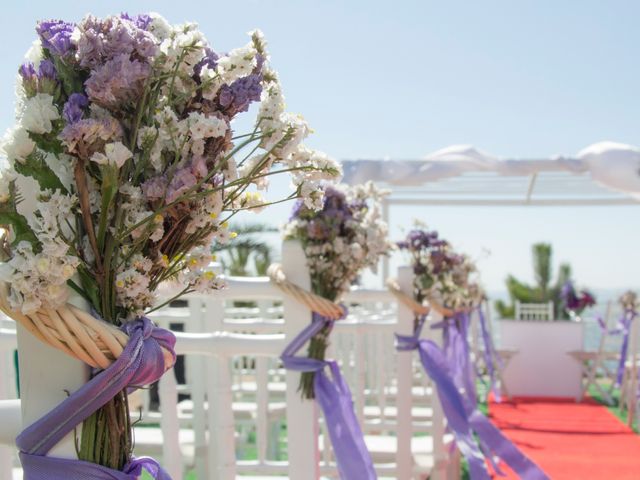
pixel 538 312
pixel 363 344
pixel 9 407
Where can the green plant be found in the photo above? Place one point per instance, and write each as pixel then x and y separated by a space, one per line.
pixel 249 244
pixel 543 291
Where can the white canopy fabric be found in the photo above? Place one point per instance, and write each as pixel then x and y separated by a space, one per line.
pixel 614 166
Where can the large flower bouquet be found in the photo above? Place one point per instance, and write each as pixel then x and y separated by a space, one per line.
pixel 440 274
pixel 339 241
pixel 124 134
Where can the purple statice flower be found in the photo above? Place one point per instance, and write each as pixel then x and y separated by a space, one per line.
pixel 141 20
pixel 182 181
pixel 210 60
pixel 47 70
pixel 568 296
pixel 29 79
pixel 117 82
pixel 419 269
pixel 438 260
pixel 73 109
pixel 298 208
pixel 101 40
pixel 55 36
pixel 334 199
pixel 154 188
pixel 575 301
pixel 91 132
pixel 45 80
pixel 240 94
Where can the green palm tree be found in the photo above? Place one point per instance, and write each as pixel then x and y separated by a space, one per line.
pixel 543 291
pixel 249 245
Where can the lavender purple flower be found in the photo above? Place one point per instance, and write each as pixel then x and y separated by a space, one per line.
pixel 29 78
pixel 45 80
pixel 576 301
pixel 210 60
pixel 55 36
pixel 240 94
pixel 155 188
pixel 73 109
pixel 105 39
pixel 117 82
pixel 183 180
pixel 92 133
pixel 142 20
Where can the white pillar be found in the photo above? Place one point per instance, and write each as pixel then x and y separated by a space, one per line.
pixel 220 420
pixel 6 392
pixel 302 415
pixel 438 425
pixel 404 398
pixel 632 390
pixel 46 375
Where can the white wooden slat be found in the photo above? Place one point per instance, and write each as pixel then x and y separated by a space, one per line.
pixel 438 422
pixel 170 426
pixel 195 377
pixel 404 458
pixel 303 451
pixel 262 407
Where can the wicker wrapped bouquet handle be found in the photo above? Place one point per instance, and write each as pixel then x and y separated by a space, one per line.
pixel 74 332
pixel 316 303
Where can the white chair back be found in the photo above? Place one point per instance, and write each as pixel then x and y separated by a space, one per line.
pixel 537 312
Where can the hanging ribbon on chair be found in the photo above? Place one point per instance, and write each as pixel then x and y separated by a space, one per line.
pixel 334 397
pixel 455 336
pixel 141 363
pixel 624 327
pixel 491 358
pixel 463 418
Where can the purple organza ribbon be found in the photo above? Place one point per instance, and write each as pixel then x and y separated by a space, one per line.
pixel 456 350
pixel 334 397
pixel 491 357
pixel 463 419
pixel 141 363
pixel 624 327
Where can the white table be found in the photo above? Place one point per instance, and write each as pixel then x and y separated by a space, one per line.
pixel 542 367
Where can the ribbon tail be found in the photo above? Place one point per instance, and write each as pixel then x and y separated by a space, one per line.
pixel 334 398
pixel 496 442
pixel 435 364
pixel 149 464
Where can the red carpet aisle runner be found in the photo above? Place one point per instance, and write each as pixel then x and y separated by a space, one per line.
pixel 568 440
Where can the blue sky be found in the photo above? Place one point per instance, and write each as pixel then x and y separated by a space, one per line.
pixel 401 79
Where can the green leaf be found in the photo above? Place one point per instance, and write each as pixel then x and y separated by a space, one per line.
pixel 48 142
pixel 74 286
pixel 71 81
pixel 35 167
pixel 20 227
pixel 90 288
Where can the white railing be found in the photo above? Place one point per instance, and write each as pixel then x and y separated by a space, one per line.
pixel 236 377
